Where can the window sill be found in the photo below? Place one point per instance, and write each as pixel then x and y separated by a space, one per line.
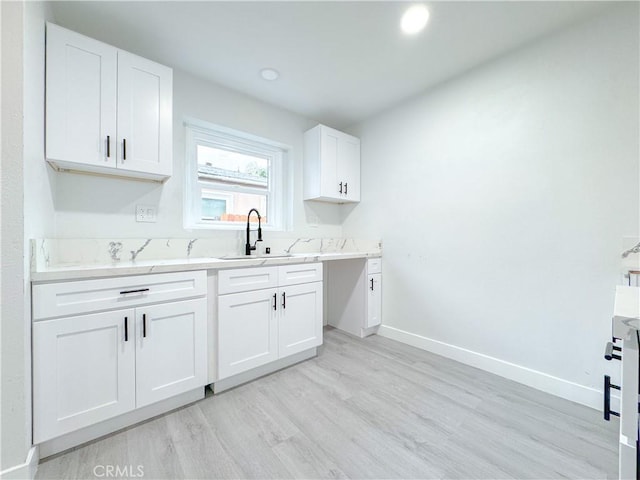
pixel 242 227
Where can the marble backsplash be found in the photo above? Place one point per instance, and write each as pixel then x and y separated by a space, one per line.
pixel 71 251
pixel 630 260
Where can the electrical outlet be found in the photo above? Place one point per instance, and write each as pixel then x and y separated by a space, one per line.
pixel 146 213
pixel 313 221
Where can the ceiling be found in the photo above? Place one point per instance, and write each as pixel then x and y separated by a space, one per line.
pixel 340 62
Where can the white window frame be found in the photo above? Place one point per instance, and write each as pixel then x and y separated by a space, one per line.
pixel 279 191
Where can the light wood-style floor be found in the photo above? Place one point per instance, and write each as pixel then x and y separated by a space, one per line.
pixel 371 408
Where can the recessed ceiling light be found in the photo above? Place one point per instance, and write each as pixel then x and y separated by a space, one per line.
pixel 269 74
pixel 414 19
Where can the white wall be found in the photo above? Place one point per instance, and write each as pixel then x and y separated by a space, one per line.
pixel 502 197
pixel 95 207
pixel 39 212
pixel 14 439
pixel 26 189
pixel 39 180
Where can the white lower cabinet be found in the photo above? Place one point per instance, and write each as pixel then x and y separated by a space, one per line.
pixel 374 300
pixel 354 295
pixel 83 371
pixel 256 327
pixel 171 350
pixel 247 331
pixel 94 366
pixel 300 325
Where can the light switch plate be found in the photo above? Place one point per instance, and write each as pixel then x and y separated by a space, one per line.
pixel 146 213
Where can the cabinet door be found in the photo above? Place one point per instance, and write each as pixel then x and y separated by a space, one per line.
pixel 374 301
pixel 83 371
pixel 171 355
pixel 300 324
pixel 145 129
pixel 340 165
pixel 330 185
pixel 247 331
pixel 81 99
pixel 349 167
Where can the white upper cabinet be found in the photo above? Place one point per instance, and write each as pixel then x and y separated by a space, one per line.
pixel 144 115
pixel 81 99
pixel 331 166
pixel 107 111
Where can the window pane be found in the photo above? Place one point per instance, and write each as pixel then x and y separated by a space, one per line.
pixel 232 167
pixel 213 208
pixel 225 206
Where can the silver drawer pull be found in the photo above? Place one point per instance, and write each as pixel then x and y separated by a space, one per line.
pixel 140 290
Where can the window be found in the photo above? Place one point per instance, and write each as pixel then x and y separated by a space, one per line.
pixel 231 172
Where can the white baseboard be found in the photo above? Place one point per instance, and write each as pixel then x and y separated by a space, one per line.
pixel 27 470
pixel 532 378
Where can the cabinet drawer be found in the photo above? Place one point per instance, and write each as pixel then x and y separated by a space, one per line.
pixel 374 265
pixel 245 279
pixel 300 273
pixel 71 298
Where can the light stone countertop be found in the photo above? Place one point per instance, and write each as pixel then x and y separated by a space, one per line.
pixel 626 312
pixel 115 269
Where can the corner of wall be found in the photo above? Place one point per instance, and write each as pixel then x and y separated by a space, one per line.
pixel 26 470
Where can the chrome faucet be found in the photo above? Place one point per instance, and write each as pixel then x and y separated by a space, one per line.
pixel 248 247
